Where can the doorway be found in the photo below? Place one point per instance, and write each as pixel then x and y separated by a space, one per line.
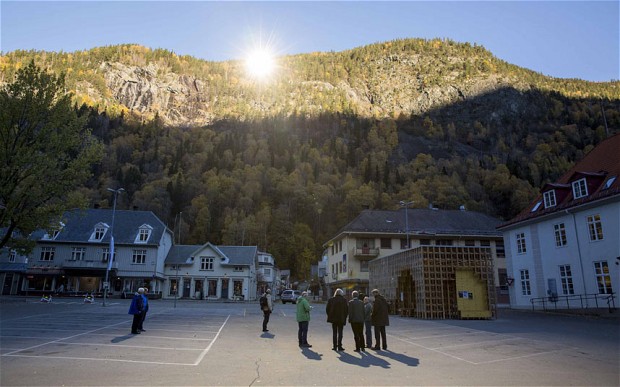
pixel 225 288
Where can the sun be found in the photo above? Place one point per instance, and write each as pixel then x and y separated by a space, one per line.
pixel 260 63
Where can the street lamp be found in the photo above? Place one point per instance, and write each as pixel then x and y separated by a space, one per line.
pixel 106 285
pixel 406 205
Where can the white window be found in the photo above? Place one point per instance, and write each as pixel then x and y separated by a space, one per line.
pixel 549 197
pixel 99 232
pixel 206 263
pixel 238 268
pixel 12 256
pixel 595 227
pixel 560 234
pixel 105 254
pixel 525 283
pixel 603 279
pixel 566 277
pixel 78 253
pixel 139 257
pixel 580 188
pixel 47 253
pixel 267 272
pixel 144 233
pixel 521 248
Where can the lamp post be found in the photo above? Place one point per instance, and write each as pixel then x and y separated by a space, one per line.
pixel 406 205
pixel 106 285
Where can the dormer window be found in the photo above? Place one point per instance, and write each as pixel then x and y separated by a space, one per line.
pixel 144 233
pixel 609 182
pixel 54 233
pixel 580 188
pixel 99 232
pixel 549 198
pixel 536 207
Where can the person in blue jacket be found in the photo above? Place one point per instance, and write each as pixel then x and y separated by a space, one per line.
pixel 136 308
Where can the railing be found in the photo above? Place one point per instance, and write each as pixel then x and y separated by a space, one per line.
pixel 575 301
pixel 366 252
pixel 83 264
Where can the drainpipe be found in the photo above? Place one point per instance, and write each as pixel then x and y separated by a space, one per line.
pixel 583 276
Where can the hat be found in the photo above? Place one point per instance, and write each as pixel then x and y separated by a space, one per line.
pixel 375 291
pixel 304 294
pixel 140 290
pixel 268 291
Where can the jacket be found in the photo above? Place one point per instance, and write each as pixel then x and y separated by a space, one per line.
pixel 356 311
pixel 368 312
pixel 337 310
pixel 380 312
pixel 303 309
pixel 137 304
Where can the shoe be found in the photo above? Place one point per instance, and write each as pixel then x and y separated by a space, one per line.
pixel 334 349
pixel 385 348
pixel 376 348
pixel 135 333
pixel 265 330
pixel 363 349
pixel 356 350
pixel 306 345
pixel 142 330
pixel 340 348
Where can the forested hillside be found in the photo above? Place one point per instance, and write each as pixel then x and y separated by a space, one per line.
pixel 285 165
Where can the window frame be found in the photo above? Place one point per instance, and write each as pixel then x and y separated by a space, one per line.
pixel 78 253
pixel 47 253
pixel 580 188
pixel 12 256
pixel 549 198
pixel 207 263
pixel 566 279
pixel 559 232
pixel 138 255
pixel 603 277
pixel 526 286
pixel 521 243
pixel 595 227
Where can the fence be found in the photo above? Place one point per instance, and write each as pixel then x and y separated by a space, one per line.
pixel 575 301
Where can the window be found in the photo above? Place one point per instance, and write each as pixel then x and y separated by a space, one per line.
pixel 212 288
pixel 99 232
pixel 525 283
pixel 521 248
pixel 470 243
pixel 500 250
pixel 144 232
pixel 47 253
pixel 386 243
pixel 536 207
pixel 549 198
pixel 580 189
pixel 364 266
pixel 267 272
pixel 403 244
pixel 443 242
pixel 78 253
pixel 206 263
pixel 12 256
pixel 603 279
pixel 139 257
pixel 595 227
pixel 485 243
pixel 566 277
pixel 425 242
pixel 609 182
pixel 238 268
pixel 560 234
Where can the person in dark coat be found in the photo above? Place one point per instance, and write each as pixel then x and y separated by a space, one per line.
pixel 368 321
pixel 380 319
pixel 136 308
pixel 337 312
pixel 145 308
pixel 356 319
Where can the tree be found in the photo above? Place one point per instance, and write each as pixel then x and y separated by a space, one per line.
pixel 46 152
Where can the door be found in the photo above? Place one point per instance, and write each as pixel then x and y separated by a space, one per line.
pixel 472 298
pixel 224 288
pixel 8 280
pixel 187 283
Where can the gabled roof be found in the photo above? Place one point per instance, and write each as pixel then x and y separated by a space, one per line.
pixel 235 255
pixel 423 221
pixel 79 226
pixel 601 164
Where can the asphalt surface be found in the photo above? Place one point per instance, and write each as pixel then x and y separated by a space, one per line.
pixel 199 343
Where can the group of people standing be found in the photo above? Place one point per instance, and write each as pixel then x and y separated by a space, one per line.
pixel 138 308
pixel 361 314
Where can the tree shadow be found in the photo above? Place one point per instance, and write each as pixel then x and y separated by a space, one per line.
pixel 366 360
pixel 311 355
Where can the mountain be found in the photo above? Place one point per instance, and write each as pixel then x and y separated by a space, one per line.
pixel 284 164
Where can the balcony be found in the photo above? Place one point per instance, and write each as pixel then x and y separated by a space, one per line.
pixel 75 264
pixel 366 252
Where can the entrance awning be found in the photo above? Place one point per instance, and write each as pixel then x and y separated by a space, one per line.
pixel 88 272
pixel 44 271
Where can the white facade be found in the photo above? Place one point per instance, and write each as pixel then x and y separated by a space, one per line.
pixel 579 260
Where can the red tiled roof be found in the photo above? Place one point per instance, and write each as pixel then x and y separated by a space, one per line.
pixel 602 162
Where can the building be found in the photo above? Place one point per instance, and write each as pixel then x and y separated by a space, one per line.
pixel 375 234
pixel 268 275
pixel 13 267
pixel 75 257
pixel 565 246
pixel 212 272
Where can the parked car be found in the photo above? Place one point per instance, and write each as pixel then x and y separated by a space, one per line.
pixel 290 296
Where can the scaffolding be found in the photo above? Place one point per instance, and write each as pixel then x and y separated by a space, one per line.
pixel 422 282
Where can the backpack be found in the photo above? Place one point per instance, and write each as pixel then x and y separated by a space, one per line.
pixel 263 302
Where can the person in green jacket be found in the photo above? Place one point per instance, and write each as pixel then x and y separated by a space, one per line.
pixel 303 319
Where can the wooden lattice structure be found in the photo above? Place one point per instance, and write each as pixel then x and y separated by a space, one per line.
pixel 422 282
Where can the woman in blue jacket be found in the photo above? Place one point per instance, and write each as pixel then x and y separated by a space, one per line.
pixel 136 308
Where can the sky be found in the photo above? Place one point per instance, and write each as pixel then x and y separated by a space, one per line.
pixel 563 39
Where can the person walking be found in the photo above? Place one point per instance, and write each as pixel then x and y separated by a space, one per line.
pixel 303 320
pixel 368 321
pixel 135 308
pixel 145 308
pixel 337 311
pixel 380 319
pixel 266 304
pixel 356 319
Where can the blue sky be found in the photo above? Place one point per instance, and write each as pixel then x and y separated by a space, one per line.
pixel 566 39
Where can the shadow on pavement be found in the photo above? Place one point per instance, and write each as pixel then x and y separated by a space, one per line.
pixel 120 339
pixel 367 360
pixel 311 355
pixel 399 357
pixel 267 335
